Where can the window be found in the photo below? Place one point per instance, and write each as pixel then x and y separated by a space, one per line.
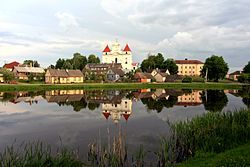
pixel 126 62
pixel 186 67
pixel 189 67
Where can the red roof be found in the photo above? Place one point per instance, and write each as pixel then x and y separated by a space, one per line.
pixel 11 65
pixel 126 116
pixel 127 49
pixel 106 114
pixel 106 49
pixel 188 62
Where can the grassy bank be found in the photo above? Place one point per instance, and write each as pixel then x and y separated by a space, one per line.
pixel 37 87
pixel 239 156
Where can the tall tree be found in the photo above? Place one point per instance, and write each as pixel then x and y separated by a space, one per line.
pixel 171 66
pixel 59 63
pixel 216 68
pixel 67 64
pixel 78 61
pixel 8 76
pixel 246 69
pixel 93 59
pixel 32 63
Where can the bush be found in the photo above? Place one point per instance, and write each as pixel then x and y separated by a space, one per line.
pixel 187 80
pixel 197 79
pixel 244 78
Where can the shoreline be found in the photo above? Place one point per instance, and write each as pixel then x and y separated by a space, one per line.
pixel 91 86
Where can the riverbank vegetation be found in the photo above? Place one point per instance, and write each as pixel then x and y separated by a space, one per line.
pixel 35 87
pixel 220 139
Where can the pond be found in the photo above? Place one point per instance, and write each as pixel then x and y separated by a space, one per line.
pixel 79 118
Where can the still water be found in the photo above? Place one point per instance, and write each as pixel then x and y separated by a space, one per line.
pixel 77 118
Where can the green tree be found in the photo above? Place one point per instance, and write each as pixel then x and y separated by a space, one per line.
pixel 59 63
pixel 93 59
pixel 8 76
pixel 78 61
pixel 171 66
pixel 67 64
pixel 32 63
pixel 246 69
pixel 217 68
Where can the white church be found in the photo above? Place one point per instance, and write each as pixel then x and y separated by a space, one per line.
pixel 116 54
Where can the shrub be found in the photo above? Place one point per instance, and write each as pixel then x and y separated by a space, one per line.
pixel 244 78
pixel 187 80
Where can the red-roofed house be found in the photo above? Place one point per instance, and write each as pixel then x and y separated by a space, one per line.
pixel 10 66
pixel 189 67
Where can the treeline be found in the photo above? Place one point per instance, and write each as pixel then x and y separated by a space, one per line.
pixel 158 61
pixel 77 62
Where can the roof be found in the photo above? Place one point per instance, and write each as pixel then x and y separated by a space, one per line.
pixel 140 75
pixel 11 65
pixel 106 49
pixel 235 73
pixel 97 65
pixel 57 72
pixel 74 73
pixel 188 62
pixel 127 49
pixel 117 71
pixel 30 69
pixel 65 73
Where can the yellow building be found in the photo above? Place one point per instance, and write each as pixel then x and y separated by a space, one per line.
pixel 1 78
pixel 189 67
pixel 56 76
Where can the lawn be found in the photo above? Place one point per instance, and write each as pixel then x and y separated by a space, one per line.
pixel 237 157
pixel 33 87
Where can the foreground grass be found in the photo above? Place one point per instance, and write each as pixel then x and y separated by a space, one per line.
pixel 37 87
pixel 237 157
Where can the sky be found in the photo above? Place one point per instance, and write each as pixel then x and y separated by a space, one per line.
pixel 46 30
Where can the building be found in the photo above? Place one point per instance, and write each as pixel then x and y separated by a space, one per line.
pixel 234 75
pixel 99 69
pixel 116 54
pixel 143 77
pixel 10 66
pixel 56 76
pixel 189 67
pixel 114 74
pixel 161 77
pixel 1 78
pixel 23 73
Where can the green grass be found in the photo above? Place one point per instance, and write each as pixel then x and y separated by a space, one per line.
pixel 237 157
pixel 36 87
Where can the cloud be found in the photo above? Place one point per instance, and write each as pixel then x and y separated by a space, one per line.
pixel 66 20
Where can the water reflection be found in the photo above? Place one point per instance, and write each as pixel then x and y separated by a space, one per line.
pixel 117 104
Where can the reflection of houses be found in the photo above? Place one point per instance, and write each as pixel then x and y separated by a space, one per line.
pixel 190 99
pixel 24 72
pixel 56 76
pixel 25 97
pixel 117 110
pixel 157 94
pixel 58 96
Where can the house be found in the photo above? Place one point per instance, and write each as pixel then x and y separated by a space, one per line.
pixel 234 75
pixel 161 77
pixel 23 73
pixel 99 69
pixel 1 78
pixel 189 67
pixel 10 66
pixel 143 77
pixel 114 74
pixel 57 76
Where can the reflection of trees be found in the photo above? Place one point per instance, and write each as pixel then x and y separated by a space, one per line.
pixel 159 104
pixel 214 100
pixel 77 105
pixel 8 97
pixel 93 106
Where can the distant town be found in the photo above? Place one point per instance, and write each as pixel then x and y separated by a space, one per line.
pixel 117 66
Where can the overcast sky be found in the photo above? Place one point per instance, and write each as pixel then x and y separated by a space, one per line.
pixel 46 30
